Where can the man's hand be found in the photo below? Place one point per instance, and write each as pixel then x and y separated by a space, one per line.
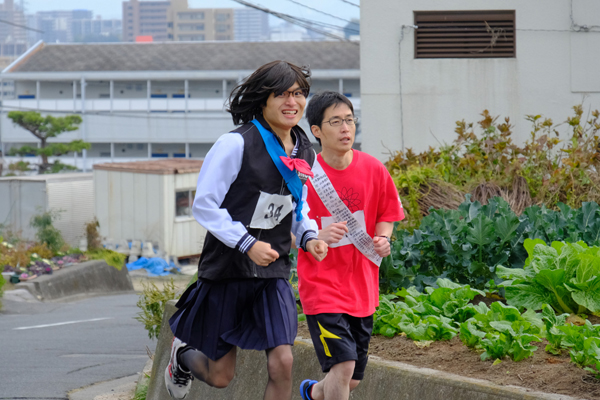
pixel 382 246
pixel 262 254
pixel 333 233
pixel 318 249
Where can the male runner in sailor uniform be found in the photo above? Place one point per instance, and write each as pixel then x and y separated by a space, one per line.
pixel 249 197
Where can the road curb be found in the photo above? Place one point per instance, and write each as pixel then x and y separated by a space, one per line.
pixel 384 380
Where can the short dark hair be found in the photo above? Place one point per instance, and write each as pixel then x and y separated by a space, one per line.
pixel 247 100
pixel 321 102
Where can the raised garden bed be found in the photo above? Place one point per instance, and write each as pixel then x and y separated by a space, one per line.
pixel 542 372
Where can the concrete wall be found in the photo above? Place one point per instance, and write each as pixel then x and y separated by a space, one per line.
pixel 383 380
pixel 410 102
pixel 92 277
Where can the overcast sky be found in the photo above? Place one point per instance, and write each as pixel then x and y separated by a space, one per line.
pixel 112 8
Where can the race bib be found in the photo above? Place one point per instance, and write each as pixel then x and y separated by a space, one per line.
pixel 270 210
pixel 360 217
pixel 339 211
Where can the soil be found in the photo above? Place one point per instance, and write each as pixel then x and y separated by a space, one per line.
pixel 543 372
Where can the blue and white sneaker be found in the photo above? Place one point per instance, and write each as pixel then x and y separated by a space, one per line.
pixel 305 389
pixel 177 380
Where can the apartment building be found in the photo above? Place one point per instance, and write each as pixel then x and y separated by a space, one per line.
pixel 174 21
pixel 199 24
pixel 145 18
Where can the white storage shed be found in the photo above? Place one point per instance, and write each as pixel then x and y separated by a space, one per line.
pixel 22 197
pixel 150 201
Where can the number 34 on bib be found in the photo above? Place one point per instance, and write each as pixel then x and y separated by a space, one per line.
pixel 270 210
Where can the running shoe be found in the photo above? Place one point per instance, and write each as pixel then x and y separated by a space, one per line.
pixel 305 389
pixel 177 380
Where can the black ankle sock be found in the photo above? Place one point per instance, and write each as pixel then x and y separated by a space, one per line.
pixel 180 352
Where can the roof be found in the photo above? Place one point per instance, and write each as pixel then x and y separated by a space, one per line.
pixel 185 56
pixel 169 166
pixel 73 176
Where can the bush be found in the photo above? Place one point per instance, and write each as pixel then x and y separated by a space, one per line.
pixel 152 302
pixel 46 232
pixel 538 172
pixel 92 235
pixel 112 258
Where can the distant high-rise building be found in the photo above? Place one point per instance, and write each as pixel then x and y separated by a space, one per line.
pixel 250 25
pixel 145 18
pixel 67 26
pixel 97 30
pixel 13 39
pixel 57 25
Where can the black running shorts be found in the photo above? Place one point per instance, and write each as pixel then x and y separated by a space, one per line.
pixel 341 337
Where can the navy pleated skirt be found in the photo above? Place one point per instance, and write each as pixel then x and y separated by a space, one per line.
pixel 255 314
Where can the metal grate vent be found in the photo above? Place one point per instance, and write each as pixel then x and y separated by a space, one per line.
pixel 465 34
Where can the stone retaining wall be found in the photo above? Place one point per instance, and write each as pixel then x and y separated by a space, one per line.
pixel 384 380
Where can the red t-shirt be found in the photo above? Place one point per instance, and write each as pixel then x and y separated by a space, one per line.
pixel 346 281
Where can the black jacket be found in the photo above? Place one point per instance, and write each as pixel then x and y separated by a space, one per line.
pixel 257 173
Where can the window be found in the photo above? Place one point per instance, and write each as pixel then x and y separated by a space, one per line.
pixel 222 28
pixel 183 202
pixel 222 17
pixel 186 15
pixel 465 34
pixel 191 38
pixel 189 27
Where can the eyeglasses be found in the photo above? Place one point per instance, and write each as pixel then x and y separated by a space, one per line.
pixel 339 121
pixel 302 92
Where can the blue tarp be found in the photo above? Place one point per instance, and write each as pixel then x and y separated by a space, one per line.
pixel 154 266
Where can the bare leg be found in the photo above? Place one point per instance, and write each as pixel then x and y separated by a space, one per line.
pixel 214 373
pixel 337 384
pixel 279 366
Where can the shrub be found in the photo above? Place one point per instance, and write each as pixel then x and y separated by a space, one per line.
pixel 554 170
pixel 92 235
pixel 112 258
pixel 152 302
pixel 46 232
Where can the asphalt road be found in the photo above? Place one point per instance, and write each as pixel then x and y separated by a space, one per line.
pixel 49 349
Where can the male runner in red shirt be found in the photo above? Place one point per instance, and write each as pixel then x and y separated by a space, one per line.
pixel 339 294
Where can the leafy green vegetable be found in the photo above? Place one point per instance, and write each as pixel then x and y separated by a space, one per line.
pixel 553 334
pixel 433 315
pixel 502 331
pixel 468 244
pixel 564 275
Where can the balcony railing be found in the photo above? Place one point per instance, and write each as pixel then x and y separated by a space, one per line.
pixel 124 105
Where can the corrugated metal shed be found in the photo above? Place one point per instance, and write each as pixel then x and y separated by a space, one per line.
pixel 22 197
pixel 150 201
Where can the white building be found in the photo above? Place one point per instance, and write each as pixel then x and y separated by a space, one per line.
pixel 149 100
pixel 541 57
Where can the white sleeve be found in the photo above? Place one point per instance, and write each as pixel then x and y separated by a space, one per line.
pixel 220 169
pixel 307 228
